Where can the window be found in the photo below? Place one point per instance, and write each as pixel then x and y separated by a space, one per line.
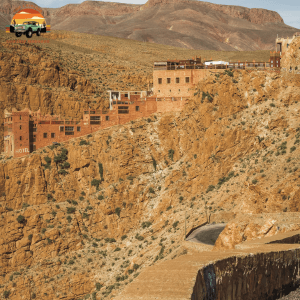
pixel 33 147
pixel 61 128
pixel 168 80
pixel 177 80
pixel 107 118
pixel 45 135
pixel 137 108
pixel 20 138
pixel 34 129
pixel 159 91
pixel 34 138
pixel 126 95
pixel 187 79
pixel 20 117
pixel 159 80
pixel 20 127
pixel 123 110
pixel 69 128
pixel 78 128
pixel 179 90
pixel 52 135
pixel 95 118
pixel 170 91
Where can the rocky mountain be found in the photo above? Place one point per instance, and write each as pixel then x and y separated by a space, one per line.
pixel 186 23
pixel 72 235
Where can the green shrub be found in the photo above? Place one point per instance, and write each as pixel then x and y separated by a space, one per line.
pixel 96 182
pixel 85 216
pixel 254 181
pixel 89 260
pixel 117 249
pixel 175 224
pixel 25 205
pixel 30 237
pixel 6 294
pixel 101 171
pixel 170 154
pixel 48 160
pixel 154 163
pixel 229 72
pixel 292 149
pixel 146 224
pixel 98 286
pixel 65 165
pixel 21 219
pixel 43 230
pixel 118 211
pixel 123 237
pixel 83 142
pixel 151 190
pixel 210 188
pixel 272 104
pixel 71 210
pixel 100 197
pixel 139 237
pixel 62 172
pixel 110 240
pixel 69 218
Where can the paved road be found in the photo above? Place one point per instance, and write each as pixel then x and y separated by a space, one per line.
pixel 207 234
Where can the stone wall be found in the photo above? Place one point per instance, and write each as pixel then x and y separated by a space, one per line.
pixel 260 276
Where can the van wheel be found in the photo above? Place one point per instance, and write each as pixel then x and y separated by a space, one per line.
pixel 29 34
pixel 18 34
pixel 38 33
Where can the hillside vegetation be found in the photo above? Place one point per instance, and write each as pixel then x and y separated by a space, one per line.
pixel 82 219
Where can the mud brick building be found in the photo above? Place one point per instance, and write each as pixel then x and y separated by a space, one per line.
pixel 175 78
pixel 26 131
pixel 173 81
pixel 282 44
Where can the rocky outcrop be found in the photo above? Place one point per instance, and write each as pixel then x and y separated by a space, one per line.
pixel 290 61
pixel 251 227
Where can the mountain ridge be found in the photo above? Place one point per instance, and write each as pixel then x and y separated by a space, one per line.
pixel 185 23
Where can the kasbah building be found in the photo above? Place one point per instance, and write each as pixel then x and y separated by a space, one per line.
pixel 173 81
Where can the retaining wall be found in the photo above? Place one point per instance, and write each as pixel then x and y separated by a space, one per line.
pixel 262 276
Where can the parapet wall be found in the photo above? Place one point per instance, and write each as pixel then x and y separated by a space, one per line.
pixel 255 276
pixel 263 269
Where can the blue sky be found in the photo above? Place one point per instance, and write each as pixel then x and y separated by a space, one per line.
pixel 288 9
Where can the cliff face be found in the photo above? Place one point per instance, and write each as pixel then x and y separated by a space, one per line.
pixel 254 15
pixel 105 208
pixel 291 59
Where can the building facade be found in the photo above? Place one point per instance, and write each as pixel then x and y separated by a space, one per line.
pixel 282 44
pixel 173 80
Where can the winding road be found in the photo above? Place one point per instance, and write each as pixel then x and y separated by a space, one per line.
pixel 207 234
